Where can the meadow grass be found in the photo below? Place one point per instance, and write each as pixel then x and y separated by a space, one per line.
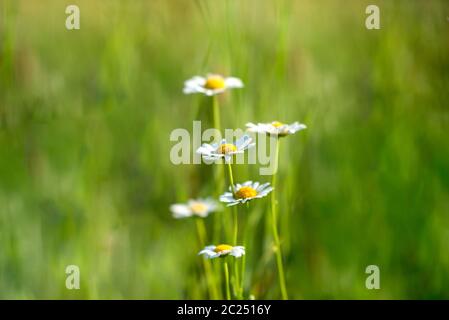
pixel 85 119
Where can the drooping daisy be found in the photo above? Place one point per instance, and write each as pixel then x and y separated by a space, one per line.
pixel 225 149
pixel 245 192
pixel 222 250
pixel 276 128
pixel 194 207
pixel 211 85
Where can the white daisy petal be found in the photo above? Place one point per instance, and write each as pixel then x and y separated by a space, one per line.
pixel 210 203
pixel 275 128
pixel 214 146
pixel 268 189
pixel 222 150
pixel 243 142
pixel 189 90
pixel 180 211
pixel 229 194
pixel 211 85
pixel 232 82
pixel 233 203
pixel 194 85
pixel 194 207
pixel 212 157
pixel 226 198
pixel 265 192
pixel 262 186
pixel 204 251
pixel 251 127
pixel 253 190
pixel 208 253
pixel 237 252
pixel 203 150
pixel 195 80
pixel 297 127
pixel 212 252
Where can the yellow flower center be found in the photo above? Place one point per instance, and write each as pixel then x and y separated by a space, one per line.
pixel 245 193
pixel 214 82
pixel 222 247
pixel 277 124
pixel 226 148
pixel 198 207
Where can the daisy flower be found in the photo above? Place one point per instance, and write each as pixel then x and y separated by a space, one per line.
pixel 246 192
pixel 224 149
pixel 197 207
pixel 222 250
pixel 211 85
pixel 276 128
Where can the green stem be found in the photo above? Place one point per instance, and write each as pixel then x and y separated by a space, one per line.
pixel 226 272
pixel 201 229
pixel 216 113
pixel 231 177
pixel 242 276
pixel 277 243
pixel 236 230
pixel 236 279
pixel 213 291
pixel 235 214
pixel 236 227
pixel 242 270
pixel 219 220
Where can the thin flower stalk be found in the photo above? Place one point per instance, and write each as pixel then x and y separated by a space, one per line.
pixel 210 278
pixel 228 288
pixel 277 243
pixel 235 231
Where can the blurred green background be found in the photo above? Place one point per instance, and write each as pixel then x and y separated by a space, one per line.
pixel 85 119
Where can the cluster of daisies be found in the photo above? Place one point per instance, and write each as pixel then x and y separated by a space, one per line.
pixel 238 193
